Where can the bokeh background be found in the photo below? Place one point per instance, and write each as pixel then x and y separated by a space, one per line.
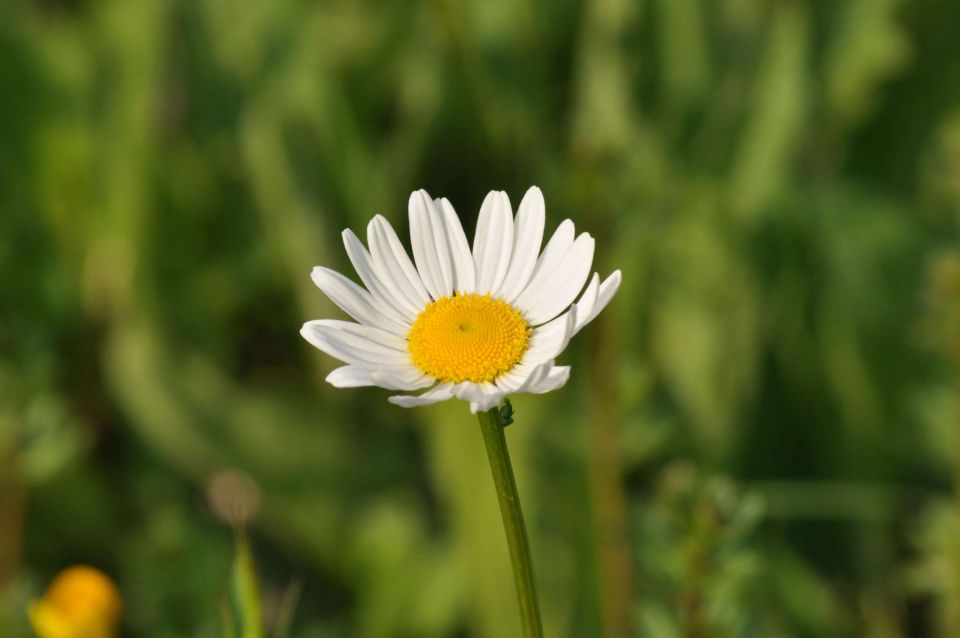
pixel 760 435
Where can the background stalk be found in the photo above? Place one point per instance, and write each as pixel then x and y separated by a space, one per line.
pixel 493 437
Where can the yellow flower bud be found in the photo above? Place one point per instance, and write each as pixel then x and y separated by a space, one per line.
pixel 81 602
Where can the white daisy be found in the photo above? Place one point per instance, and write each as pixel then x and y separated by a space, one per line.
pixel 477 325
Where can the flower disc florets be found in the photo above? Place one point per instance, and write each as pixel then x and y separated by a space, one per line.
pixel 468 337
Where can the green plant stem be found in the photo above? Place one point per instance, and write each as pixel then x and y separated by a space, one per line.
pixel 492 429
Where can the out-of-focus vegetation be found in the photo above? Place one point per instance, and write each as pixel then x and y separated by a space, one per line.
pixel 759 438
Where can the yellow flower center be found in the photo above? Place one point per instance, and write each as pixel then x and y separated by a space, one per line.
pixel 468 338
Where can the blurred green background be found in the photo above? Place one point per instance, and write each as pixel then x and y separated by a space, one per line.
pixel 760 435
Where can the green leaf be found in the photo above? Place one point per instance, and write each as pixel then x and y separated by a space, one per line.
pixel 245 592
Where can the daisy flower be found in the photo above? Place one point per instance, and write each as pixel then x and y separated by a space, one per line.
pixel 475 325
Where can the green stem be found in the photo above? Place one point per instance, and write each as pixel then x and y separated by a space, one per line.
pixel 496 443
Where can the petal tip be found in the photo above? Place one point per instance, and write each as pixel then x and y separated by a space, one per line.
pixel 614 280
pixel 418 198
pixel 534 192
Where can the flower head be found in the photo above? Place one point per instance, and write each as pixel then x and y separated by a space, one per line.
pixel 81 602
pixel 476 324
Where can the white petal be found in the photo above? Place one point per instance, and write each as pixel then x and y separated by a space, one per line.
pixel 527 237
pixel 362 262
pixel 364 348
pixel 555 379
pixel 464 270
pixel 352 376
pixel 551 291
pixel 401 378
pixel 608 289
pixel 351 348
pixel 558 245
pixel 378 336
pixel 493 242
pixel 522 376
pixel 394 265
pixel 430 249
pixel 437 393
pixel 511 382
pixel 588 298
pixel 355 301
pixel 482 396
pixel 550 339
pixel 604 294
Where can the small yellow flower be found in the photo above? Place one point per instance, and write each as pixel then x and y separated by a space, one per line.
pixel 81 602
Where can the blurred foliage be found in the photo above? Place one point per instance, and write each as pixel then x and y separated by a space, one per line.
pixel 936 573
pixel 778 180
pixel 694 550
